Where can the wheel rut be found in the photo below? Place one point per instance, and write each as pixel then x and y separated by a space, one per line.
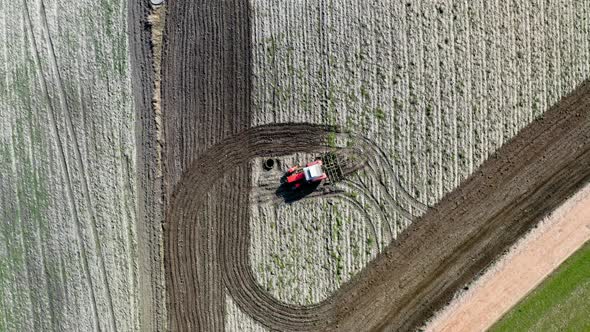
pixel 206 105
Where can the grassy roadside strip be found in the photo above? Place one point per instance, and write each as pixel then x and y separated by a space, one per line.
pixel 560 303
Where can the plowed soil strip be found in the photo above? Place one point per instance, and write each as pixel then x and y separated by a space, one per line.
pixel 533 258
pixel 205 102
pixel 453 242
pixel 546 163
pixel 205 98
pixel 204 249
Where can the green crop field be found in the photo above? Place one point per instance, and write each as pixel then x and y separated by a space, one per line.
pixel 560 303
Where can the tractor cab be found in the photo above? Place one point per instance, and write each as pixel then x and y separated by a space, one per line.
pixel 312 172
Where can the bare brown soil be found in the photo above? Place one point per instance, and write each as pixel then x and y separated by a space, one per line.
pixel 510 279
pixel 205 103
pixel 211 248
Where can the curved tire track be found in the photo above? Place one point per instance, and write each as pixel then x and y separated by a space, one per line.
pixel 206 97
pixel 416 274
pixel 196 241
pixel 227 239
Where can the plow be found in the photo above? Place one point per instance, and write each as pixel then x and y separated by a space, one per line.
pixel 331 166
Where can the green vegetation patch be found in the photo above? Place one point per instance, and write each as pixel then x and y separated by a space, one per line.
pixel 560 303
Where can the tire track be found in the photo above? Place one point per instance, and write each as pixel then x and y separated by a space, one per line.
pixel 230 237
pixel 479 228
pixel 206 82
pixel 377 158
pixel 67 172
pixel 206 97
pixel 83 173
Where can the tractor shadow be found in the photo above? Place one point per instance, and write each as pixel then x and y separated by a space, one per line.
pixel 289 194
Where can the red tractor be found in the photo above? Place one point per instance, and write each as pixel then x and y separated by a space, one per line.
pixel 312 172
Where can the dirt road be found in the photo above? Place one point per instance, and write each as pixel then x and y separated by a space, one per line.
pixel 526 266
pixel 206 94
